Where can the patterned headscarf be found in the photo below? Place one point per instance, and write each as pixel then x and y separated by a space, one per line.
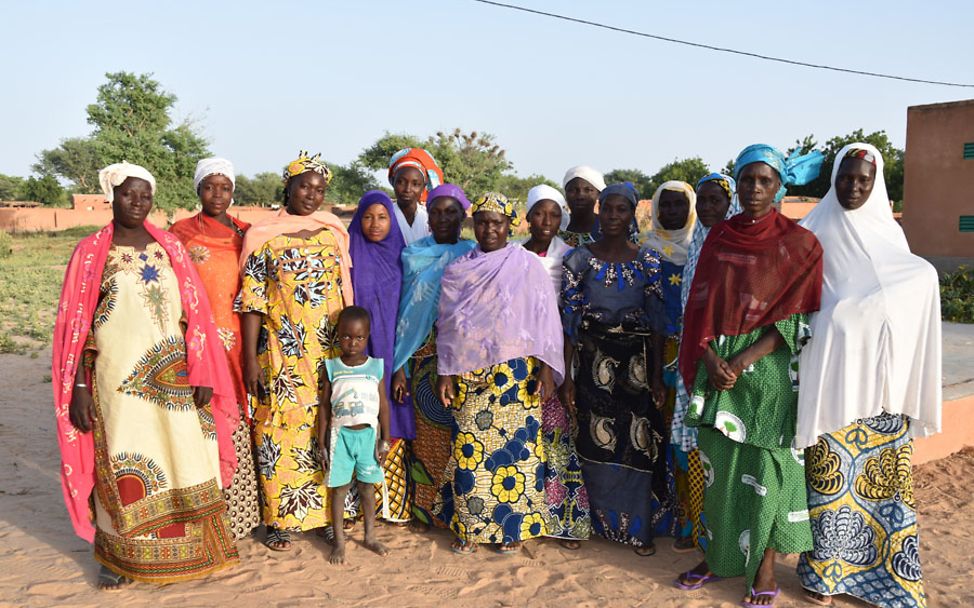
pixel 305 163
pixel 861 154
pixel 795 170
pixel 422 161
pixel 495 201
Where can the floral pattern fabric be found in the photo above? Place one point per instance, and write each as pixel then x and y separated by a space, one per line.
pixel 494 491
pixel 565 493
pixel 863 515
pixel 296 285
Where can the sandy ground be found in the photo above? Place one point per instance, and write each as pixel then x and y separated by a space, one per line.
pixel 42 563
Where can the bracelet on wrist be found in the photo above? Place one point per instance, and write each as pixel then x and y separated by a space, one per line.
pixel 80 385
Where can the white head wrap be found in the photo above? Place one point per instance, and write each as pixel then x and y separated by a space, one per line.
pixel 673 244
pixel 876 345
pixel 114 175
pixel 213 166
pixel 587 173
pixel 545 192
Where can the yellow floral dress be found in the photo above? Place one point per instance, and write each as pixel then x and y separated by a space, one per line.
pixel 495 480
pixel 295 283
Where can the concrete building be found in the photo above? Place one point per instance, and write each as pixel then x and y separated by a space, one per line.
pixel 938 193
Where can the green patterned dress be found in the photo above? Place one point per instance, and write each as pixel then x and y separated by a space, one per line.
pixel 746 449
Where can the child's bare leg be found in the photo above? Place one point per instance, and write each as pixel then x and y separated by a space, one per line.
pixel 337 513
pixel 367 496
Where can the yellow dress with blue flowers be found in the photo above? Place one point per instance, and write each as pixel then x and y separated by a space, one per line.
pixel 495 487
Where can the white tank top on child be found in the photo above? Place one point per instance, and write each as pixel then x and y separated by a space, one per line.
pixel 354 392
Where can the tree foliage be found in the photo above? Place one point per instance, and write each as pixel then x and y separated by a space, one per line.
pixel 264 189
pixel 642 182
pixel 688 170
pixel 131 120
pixel 350 182
pixel 11 187
pixel 45 190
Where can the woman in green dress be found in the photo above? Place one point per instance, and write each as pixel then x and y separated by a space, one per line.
pixel 758 277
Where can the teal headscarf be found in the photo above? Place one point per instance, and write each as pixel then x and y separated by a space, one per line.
pixel 423 263
pixel 795 170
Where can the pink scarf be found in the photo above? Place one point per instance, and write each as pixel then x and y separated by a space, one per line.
pixel 286 223
pixel 206 362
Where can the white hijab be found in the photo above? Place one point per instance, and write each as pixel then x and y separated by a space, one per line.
pixel 876 340
pixel 557 249
pixel 113 175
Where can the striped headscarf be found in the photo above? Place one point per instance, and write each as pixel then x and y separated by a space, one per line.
pixel 422 161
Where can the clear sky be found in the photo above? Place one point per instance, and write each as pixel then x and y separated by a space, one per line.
pixel 263 79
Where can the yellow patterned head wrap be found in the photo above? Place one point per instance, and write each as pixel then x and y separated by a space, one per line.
pixel 305 163
pixel 495 201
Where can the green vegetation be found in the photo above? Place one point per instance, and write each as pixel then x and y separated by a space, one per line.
pixel 957 295
pixel 30 285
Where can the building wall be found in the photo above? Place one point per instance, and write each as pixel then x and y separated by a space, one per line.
pixel 939 181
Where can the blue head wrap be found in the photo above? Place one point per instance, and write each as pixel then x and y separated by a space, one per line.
pixel 795 170
pixel 725 181
pixel 625 190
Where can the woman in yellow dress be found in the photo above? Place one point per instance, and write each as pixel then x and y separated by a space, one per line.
pixel 295 282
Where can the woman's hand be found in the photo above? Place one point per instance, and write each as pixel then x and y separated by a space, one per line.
pixel 659 391
pixel 381 450
pixel 566 394
pixel 546 384
pixel 202 395
pixel 445 391
pixel 324 437
pixel 400 389
pixel 722 376
pixel 81 412
pixel 251 375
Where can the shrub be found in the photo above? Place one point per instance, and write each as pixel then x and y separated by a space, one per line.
pixel 6 244
pixel 957 295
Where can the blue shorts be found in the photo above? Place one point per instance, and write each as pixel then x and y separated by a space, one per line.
pixel 354 450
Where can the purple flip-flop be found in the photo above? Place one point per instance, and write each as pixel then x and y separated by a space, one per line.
pixel 773 593
pixel 700 580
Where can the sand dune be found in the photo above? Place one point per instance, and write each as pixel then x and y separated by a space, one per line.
pixel 42 563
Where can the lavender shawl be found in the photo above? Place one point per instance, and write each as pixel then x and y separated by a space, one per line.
pixel 495 307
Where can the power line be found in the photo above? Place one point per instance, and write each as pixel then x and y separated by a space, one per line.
pixel 720 49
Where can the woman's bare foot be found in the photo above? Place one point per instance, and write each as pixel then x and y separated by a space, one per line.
pixel 110 581
pixel 509 548
pixel 645 550
pixel 570 544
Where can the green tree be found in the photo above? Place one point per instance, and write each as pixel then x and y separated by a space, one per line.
pixel 729 167
pixel 892 156
pixel 11 187
pixel 688 170
pixel 264 189
pixel 46 190
pixel 376 157
pixel 516 188
pixel 131 121
pixel 350 182
pixel 642 182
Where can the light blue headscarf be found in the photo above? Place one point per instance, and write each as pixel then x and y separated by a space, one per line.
pixel 423 263
pixel 795 170
pixel 680 434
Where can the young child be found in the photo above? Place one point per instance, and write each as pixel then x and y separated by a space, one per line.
pixel 353 404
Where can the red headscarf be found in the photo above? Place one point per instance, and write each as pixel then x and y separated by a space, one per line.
pixel 205 359
pixel 750 274
pixel 418 159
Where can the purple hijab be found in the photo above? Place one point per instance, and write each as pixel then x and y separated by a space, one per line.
pixel 495 307
pixel 377 280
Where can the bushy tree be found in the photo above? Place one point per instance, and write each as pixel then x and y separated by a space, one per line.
pixel 688 170
pixel 131 121
pixel 642 182
pixel 45 190
pixel 350 182
pixel 11 187
pixel 264 189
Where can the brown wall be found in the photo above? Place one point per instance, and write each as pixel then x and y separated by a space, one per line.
pixel 31 220
pixel 939 183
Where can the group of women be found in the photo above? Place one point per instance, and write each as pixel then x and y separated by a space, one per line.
pixel 591 378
